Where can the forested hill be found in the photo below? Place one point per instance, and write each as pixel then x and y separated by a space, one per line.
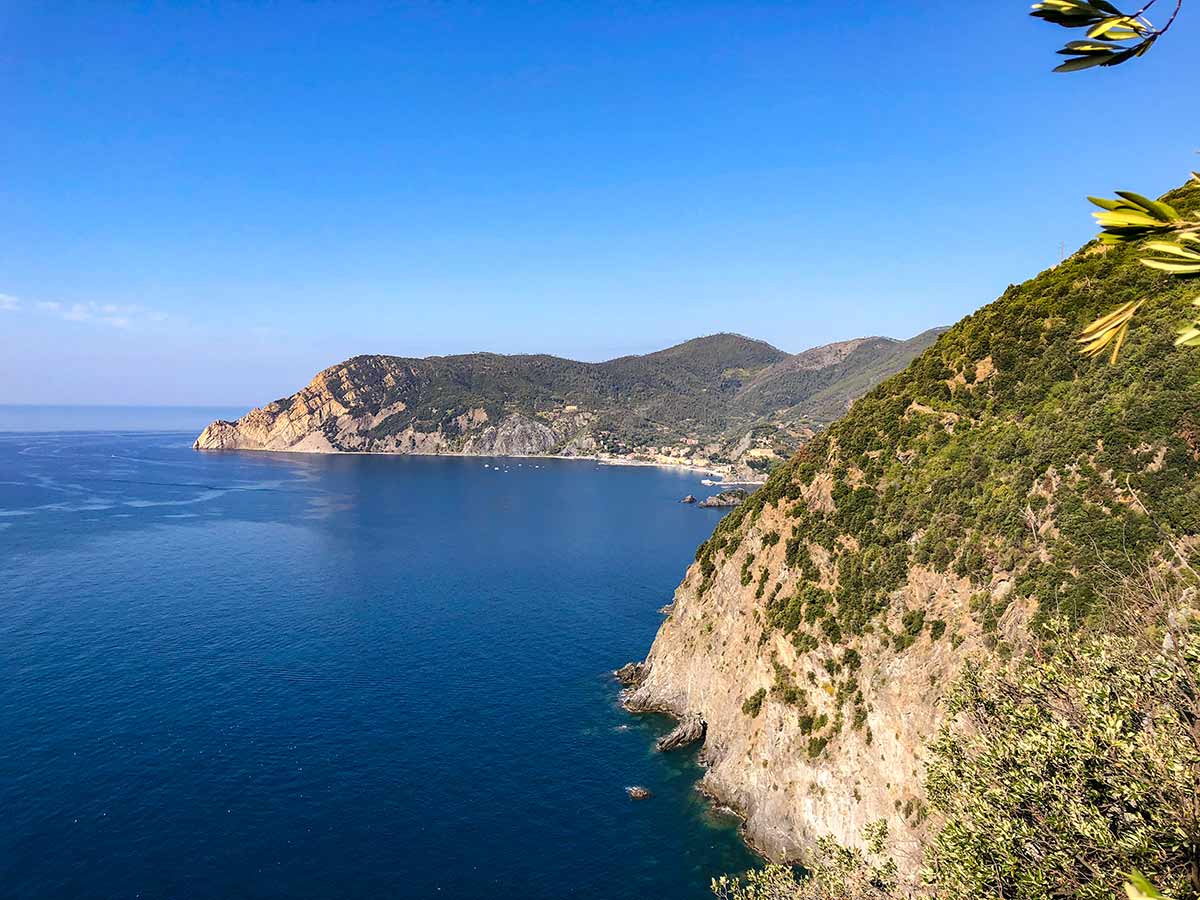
pixel 1001 481
pixel 721 400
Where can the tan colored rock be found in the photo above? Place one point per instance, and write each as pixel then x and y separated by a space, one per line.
pixel 706 660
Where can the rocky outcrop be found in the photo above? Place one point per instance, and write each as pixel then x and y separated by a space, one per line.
pixel 688 499
pixel 725 499
pixel 631 674
pixel 689 731
pixel 515 435
pixel 637 792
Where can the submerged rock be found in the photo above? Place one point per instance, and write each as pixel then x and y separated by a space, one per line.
pixel 689 730
pixel 725 499
pixel 637 792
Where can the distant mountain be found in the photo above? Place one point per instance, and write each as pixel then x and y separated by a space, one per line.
pixel 822 383
pixel 718 401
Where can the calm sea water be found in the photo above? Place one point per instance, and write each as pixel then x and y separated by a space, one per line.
pixel 240 675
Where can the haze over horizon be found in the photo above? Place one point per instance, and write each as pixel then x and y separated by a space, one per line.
pixel 207 206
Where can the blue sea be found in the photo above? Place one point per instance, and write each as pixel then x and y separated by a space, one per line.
pixel 260 675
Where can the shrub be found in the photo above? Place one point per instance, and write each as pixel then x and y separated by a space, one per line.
pixel 753 704
pixel 747 577
pixel 1074 768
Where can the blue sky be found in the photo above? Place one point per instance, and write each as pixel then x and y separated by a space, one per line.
pixel 208 202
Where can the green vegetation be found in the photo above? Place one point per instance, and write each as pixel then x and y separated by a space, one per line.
pixel 1113 37
pixel 1130 218
pixel 1056 778
pixel 912 622
pixel 724 398
pixel 747 576
pixel 1000 453
pixel 820 384
pixel 1068 772
pixel 1000 449
pixel 753 704
pixel 837 873
pixel 640 400
pixel 786 689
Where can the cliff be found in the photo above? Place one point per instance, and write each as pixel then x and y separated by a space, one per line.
pixel 720 401
pixel 1000 479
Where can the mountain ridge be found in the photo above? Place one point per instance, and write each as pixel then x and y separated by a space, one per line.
pixel 690 404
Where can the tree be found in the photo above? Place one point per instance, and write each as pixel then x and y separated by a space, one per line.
pixel 1113 37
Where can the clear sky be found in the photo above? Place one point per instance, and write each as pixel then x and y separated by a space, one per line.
pixel 207 202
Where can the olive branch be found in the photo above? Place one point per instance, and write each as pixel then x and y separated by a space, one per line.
pixel 1175 250
pixel 1113 37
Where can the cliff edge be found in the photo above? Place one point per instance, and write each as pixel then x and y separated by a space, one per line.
pixel 1001 479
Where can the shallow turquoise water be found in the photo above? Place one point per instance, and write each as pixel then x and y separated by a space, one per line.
pixel 240 675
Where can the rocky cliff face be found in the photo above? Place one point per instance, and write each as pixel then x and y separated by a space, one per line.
pixel 1002 479
pixel 712 656
pixel 690 404
pixel 350 407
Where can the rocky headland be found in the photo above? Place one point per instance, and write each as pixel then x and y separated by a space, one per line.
pixel 723 404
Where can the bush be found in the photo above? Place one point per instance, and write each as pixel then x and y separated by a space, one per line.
pixel 753 704
pixel 1075 768
pixel 836 873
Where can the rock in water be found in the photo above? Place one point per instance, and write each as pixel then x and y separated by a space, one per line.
pixel 726 499
pixel 688 499
pixel 637 792
pixel 631 674
pixel 688 731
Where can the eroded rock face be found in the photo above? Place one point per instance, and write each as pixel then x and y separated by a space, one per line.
pixel 690 730
pixel 725 499
pixel 514 436
pixel 358 406
pixel 631 674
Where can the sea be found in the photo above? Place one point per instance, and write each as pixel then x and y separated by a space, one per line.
pixel 241 675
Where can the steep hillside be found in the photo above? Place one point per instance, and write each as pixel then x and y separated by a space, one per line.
pixel 1000 479
pixel 822 383
pixel 719 401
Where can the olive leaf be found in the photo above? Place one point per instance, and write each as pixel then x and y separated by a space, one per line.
pixel 1132 217
pixel 1109 329
pixel 1112 36
pixel 1190 336
pixel 1138 887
